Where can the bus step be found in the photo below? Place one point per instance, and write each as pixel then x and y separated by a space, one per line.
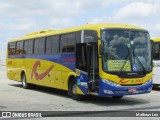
pixel 94 93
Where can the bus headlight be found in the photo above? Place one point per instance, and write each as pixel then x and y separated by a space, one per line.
pixel 150 80
pixel 110 82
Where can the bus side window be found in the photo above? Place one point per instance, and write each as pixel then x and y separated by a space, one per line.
pixel 68 42
pixel 36 43
pixel 11 48
pixel 90 36
pixel 52 44
pixel 30 47
pixel 55 44
pixel 63 45
pixel 41 45
pixel 71 42
pixel 78 37
pixel 19 48
pixel 25 47
pixel 49 45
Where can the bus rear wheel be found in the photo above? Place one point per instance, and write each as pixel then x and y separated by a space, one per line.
pixel 72 91
pixel 25 85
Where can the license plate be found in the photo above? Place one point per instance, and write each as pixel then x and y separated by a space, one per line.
pixel 132 90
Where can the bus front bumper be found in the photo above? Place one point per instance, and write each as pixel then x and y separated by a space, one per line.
pixel 109 89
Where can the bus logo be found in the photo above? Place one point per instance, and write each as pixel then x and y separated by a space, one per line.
pixel 123 81
pixel 42 75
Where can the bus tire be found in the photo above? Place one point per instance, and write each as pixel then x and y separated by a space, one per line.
pixel 25 85
pixel 72 91
pixel 117 97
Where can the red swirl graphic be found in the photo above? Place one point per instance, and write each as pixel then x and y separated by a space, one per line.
pixel 42 75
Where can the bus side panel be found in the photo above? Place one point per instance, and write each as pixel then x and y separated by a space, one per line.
pixel 156 69
pixel 40 72
pixel 14 68
pixel 46 70
pixel 18 70
pixel 46 73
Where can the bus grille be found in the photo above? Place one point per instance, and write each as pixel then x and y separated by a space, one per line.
pixel 130 84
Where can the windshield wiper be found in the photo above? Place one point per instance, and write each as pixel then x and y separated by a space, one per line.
pixel 124 62
pixel 135 56
pixel 123 65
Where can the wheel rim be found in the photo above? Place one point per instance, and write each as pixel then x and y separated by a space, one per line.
pixel 74 89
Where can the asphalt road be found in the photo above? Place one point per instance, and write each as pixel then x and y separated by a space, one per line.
pixel 14 98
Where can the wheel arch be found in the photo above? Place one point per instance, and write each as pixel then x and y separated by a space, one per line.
pixel 70 79
pixel 71 76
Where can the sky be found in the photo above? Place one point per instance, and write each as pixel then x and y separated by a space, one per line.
pixel 19 17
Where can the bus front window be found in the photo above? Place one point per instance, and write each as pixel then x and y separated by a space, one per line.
pixel 141 50
pixel 126 51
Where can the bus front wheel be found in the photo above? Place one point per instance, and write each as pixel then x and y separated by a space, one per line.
pixel 72 91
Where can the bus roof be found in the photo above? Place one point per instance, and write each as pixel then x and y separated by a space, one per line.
pixel 156 39
pixel 83 27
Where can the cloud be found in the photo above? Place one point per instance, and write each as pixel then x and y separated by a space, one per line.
pixel 66 22
pixel 57 8
pixel 25 16
pixel 155 30
pixel 138 10
pixel 143 13
pixel 19 17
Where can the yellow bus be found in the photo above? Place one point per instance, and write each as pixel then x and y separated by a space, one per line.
pixel 156 61
pixel 93 59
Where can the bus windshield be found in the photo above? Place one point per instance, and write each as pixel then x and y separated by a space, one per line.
pixel 126 50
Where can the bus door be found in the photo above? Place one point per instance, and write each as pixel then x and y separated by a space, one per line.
pixel 81 67
pixel 86 66
pixel 93 71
